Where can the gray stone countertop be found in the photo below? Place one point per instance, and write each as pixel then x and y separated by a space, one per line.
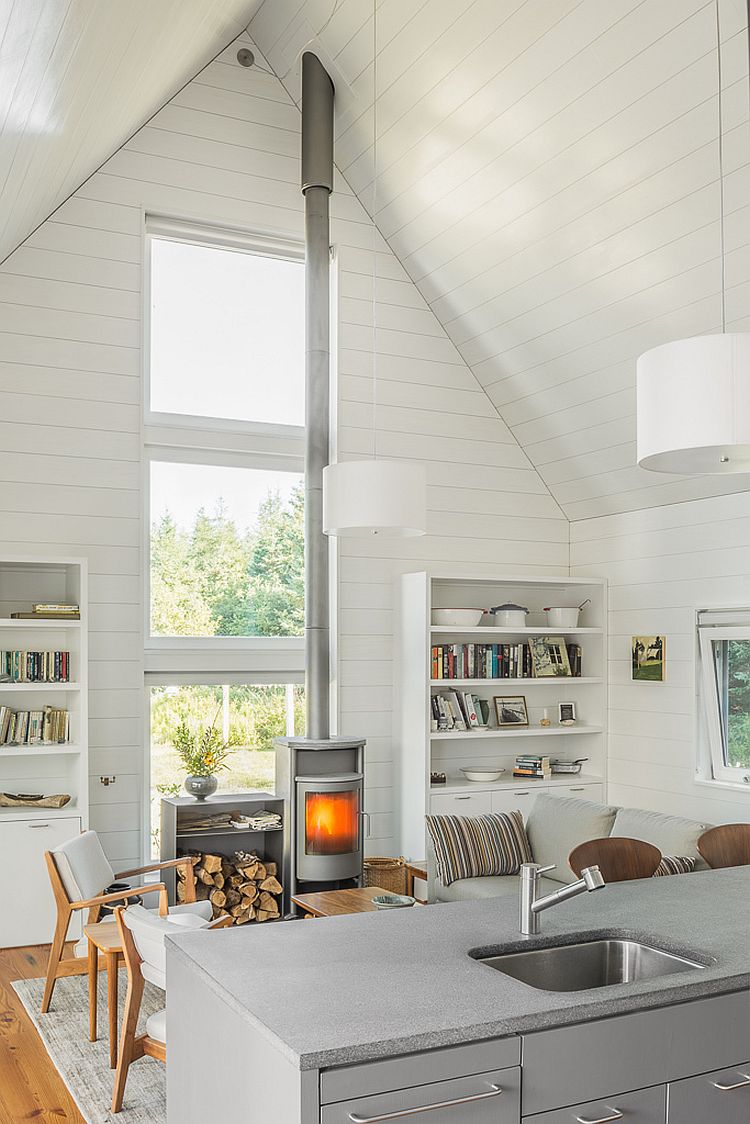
pixel 346 989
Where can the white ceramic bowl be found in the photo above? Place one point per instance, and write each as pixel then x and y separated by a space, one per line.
pixel 393 901
pixel 509 618
pixel 459 618
pixel 562 617
pixel 481 773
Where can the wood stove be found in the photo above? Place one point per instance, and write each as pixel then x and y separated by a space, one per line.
pixel 322 784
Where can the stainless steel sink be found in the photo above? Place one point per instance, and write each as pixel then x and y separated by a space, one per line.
pixel 578 967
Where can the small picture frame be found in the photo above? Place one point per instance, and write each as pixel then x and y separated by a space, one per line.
pixel 511 711
pixel 566 713
pixel 648 656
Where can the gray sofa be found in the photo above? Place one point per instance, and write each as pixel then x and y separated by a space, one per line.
pixel 558 824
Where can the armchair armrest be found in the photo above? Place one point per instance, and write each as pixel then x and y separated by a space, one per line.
pixel 222 922
pixel 118 895
pixel 184 860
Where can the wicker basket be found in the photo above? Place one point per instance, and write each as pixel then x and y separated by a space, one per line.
pixel 389 874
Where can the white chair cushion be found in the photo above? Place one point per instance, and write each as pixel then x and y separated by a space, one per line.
pixel 156 1026
pixel 191 909
pixel 149 931
pixel 83 866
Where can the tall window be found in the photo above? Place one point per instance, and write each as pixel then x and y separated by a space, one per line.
pixel 223 427
pixel 724 637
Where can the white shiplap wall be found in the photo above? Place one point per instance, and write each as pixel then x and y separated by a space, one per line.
pixel 662 565
pixel 225 150
pixel 547 173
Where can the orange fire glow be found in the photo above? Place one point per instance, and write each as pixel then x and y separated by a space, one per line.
pixel 331 823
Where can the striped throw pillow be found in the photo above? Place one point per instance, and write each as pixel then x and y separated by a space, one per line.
pixel 675 864
pixel 476 846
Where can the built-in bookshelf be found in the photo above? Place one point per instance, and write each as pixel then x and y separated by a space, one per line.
pixel 44 758
pixel 422 748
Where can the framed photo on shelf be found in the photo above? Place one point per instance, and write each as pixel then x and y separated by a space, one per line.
pixel 566 713
pixel 510 710
pixel 549 657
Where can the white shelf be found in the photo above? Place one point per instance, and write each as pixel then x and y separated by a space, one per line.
pixel 530 732
pixel 62 749
pixel 552 680
pixel 40 687
pixel 492 630
pixel 557 780
pixel 38 625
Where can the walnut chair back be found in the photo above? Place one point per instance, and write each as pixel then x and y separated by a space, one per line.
pixel 619 859
pixel 726 845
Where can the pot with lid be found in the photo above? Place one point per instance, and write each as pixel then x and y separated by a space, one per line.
pixel 509 615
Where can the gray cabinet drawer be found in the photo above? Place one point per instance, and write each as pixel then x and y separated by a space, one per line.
pixel 714 1098
pixel 646 1106
pixel 348 1081
pixel 487 1098
pixel 592 1060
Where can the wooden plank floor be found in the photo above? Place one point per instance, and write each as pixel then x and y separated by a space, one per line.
pixel 30 1086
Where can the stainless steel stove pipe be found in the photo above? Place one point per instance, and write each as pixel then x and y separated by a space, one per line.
pixel 317 185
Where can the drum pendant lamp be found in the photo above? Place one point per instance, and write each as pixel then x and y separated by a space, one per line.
pixel 693 395
pixel 377 496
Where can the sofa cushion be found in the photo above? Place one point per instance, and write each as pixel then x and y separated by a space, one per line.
pixel 473 889
pixel 675 864
pixel 673 835
pixel 478 846
pixel 557 824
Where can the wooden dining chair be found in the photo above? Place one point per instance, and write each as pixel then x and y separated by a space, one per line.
pixel 726 845
pixel 79 872
pixel 142 936
pixel 619 859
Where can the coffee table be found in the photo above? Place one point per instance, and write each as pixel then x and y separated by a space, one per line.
pixel 103 937
pixel 332 903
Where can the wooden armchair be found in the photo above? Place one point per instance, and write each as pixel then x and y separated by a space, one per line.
pixel 79 871
pixel 142 936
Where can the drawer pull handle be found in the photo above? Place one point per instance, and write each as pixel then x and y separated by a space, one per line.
pixel 33 825
pixel 493 1091
pixel 615 1114
pixel 737 1084
pixel 579 789
pixel 462 798
pixel 522 794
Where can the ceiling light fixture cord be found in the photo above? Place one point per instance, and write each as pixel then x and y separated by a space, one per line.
pixel 720 116
pixel 374 233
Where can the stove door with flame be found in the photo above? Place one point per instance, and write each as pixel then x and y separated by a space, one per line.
pixel 329 825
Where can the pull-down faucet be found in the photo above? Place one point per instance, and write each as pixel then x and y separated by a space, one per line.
pixel 530 906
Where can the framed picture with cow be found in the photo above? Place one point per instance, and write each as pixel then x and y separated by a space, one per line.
pixel 648 656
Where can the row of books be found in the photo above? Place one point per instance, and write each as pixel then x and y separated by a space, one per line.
pixel 34 667
pixel 496 661
pixel 532 765
pixel 34 727
pixel 50 610
pixel 459 710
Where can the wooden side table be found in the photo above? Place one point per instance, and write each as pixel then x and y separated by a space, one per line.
pixel 417 869
pixel 333 903
pixel 103 937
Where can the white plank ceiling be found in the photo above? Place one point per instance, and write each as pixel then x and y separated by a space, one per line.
pixel 78 77
pixel 547 173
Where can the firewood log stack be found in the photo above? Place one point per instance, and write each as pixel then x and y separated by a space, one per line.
pixel 244 886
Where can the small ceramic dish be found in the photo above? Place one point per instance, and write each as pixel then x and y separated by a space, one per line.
pixel 392 901
pixel 481 773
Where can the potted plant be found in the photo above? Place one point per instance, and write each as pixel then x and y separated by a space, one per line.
pixel 203 752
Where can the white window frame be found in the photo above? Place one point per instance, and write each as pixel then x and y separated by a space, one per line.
pixel 712 626
pixel 220 442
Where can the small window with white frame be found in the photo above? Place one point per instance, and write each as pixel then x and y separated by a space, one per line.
pixel 724 642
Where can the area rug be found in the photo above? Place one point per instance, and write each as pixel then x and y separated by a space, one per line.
pixel 84 1065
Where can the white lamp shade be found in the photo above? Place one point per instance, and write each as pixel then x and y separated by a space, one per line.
pixel 693 405
pixel 374 498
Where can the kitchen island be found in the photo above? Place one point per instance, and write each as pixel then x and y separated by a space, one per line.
pixel 347 1007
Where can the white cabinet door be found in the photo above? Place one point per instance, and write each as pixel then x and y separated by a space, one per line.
pixel 580 791
pixel 511 800
pixel 460 803
pixel 28 915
